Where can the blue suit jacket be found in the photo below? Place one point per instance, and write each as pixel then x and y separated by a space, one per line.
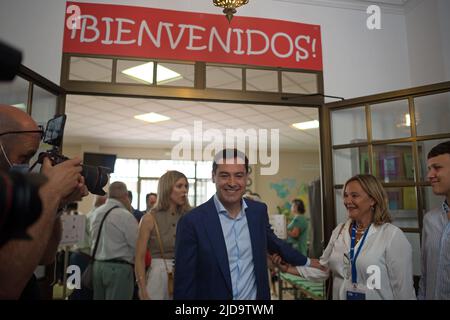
pixel 201 261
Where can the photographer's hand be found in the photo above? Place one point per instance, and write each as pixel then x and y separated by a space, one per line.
pixel 80 192
pixel 63 178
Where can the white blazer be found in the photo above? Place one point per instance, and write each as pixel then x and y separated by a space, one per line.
pixel 385 249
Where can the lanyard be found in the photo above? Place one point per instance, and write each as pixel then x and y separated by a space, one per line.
pixel 353 257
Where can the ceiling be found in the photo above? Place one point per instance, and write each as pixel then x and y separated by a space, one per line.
pixel 109 121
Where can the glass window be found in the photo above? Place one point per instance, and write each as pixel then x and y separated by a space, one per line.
pixel 341 211
pixel 348 126
pixel 15 93
pixel 393 162
pixel 262 80
pixel 126 168
pixel 297 82
pixel 224 77
pixel 127 171
pixel 414 240
pixel 204 169
pixel 348 162
pixel 147 186
pixel 403 206
pixel 390 120
pixel 132 71
pixel 432 114
pixel 175 74
pixel 90 69
pixel 205 190
pixel 44 105
pixel 156 168
pixel 424 147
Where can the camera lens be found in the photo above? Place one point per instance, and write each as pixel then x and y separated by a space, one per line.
pixel 20 204
pixel 95 178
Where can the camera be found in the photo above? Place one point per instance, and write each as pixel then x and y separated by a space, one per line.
pixel 95 178
pixel 20 204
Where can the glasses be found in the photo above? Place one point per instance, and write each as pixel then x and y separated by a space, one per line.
pixel 40 131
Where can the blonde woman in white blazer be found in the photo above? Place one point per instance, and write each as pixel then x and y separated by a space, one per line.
pixel 382 268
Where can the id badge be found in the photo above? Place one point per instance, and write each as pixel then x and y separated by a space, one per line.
pixel 355 293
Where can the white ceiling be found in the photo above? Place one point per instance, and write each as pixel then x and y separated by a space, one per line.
pixel 109 121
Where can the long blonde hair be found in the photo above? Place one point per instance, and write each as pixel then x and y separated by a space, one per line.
pixel 165 187
pixel 372 186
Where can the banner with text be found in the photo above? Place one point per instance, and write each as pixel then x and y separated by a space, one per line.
pixel 129 31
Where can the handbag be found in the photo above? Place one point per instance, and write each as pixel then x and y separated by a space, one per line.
pixel 87 278
pixel 170 275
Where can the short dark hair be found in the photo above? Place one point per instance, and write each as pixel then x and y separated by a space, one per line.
pixel 229 154
pixel 441 148
pixel 150 194
pixel 300 205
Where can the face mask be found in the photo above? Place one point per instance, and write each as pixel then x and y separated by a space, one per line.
pixel 22 168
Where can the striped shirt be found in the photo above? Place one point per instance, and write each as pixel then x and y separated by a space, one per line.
pixel 435 281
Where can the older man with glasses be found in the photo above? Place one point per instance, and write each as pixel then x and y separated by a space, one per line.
pixel 19 141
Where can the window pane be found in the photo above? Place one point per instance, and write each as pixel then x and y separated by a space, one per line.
pixel 147 186
pixel 125 168
pixel 297 82
pixel 223 77
pixel 414 240
pixel 403 206
pixel 156 168
pixel 262 80
pixel 90 69
pixel 341 211
pixel 44 105
pixel 348 126
pixel 424 148
pixel 129 71
pixel 175 74
pixel 348 162
pixel 191 193
pixel 205 190
pixel 390 120
pixel 432 114
pixel 393 162
pixel 15 93
pixel 204 169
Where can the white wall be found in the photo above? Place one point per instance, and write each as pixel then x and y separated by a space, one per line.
pixel 428 29
pixel 357 61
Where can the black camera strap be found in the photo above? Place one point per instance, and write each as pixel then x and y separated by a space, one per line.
pixel 100 230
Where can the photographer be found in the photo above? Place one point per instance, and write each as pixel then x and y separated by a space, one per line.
pixel 19 141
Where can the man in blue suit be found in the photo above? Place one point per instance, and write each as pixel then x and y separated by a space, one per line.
pixel 221 246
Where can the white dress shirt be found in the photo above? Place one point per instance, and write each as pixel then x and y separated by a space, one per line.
pixel 385 247
pixel 118 235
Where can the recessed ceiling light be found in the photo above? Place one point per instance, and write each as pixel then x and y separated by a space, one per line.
pixel 306 125
pixel 151 117
pixel 21 106
pixel 144 72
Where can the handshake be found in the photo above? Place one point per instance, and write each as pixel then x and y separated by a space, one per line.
pixel 285 267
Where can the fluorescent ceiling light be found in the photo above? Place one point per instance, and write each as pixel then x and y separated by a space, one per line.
pixel 21 106
pixel 151 117
pixel 306 125
pixel 144 72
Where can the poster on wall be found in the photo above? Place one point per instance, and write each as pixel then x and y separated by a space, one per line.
pixel 129 31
